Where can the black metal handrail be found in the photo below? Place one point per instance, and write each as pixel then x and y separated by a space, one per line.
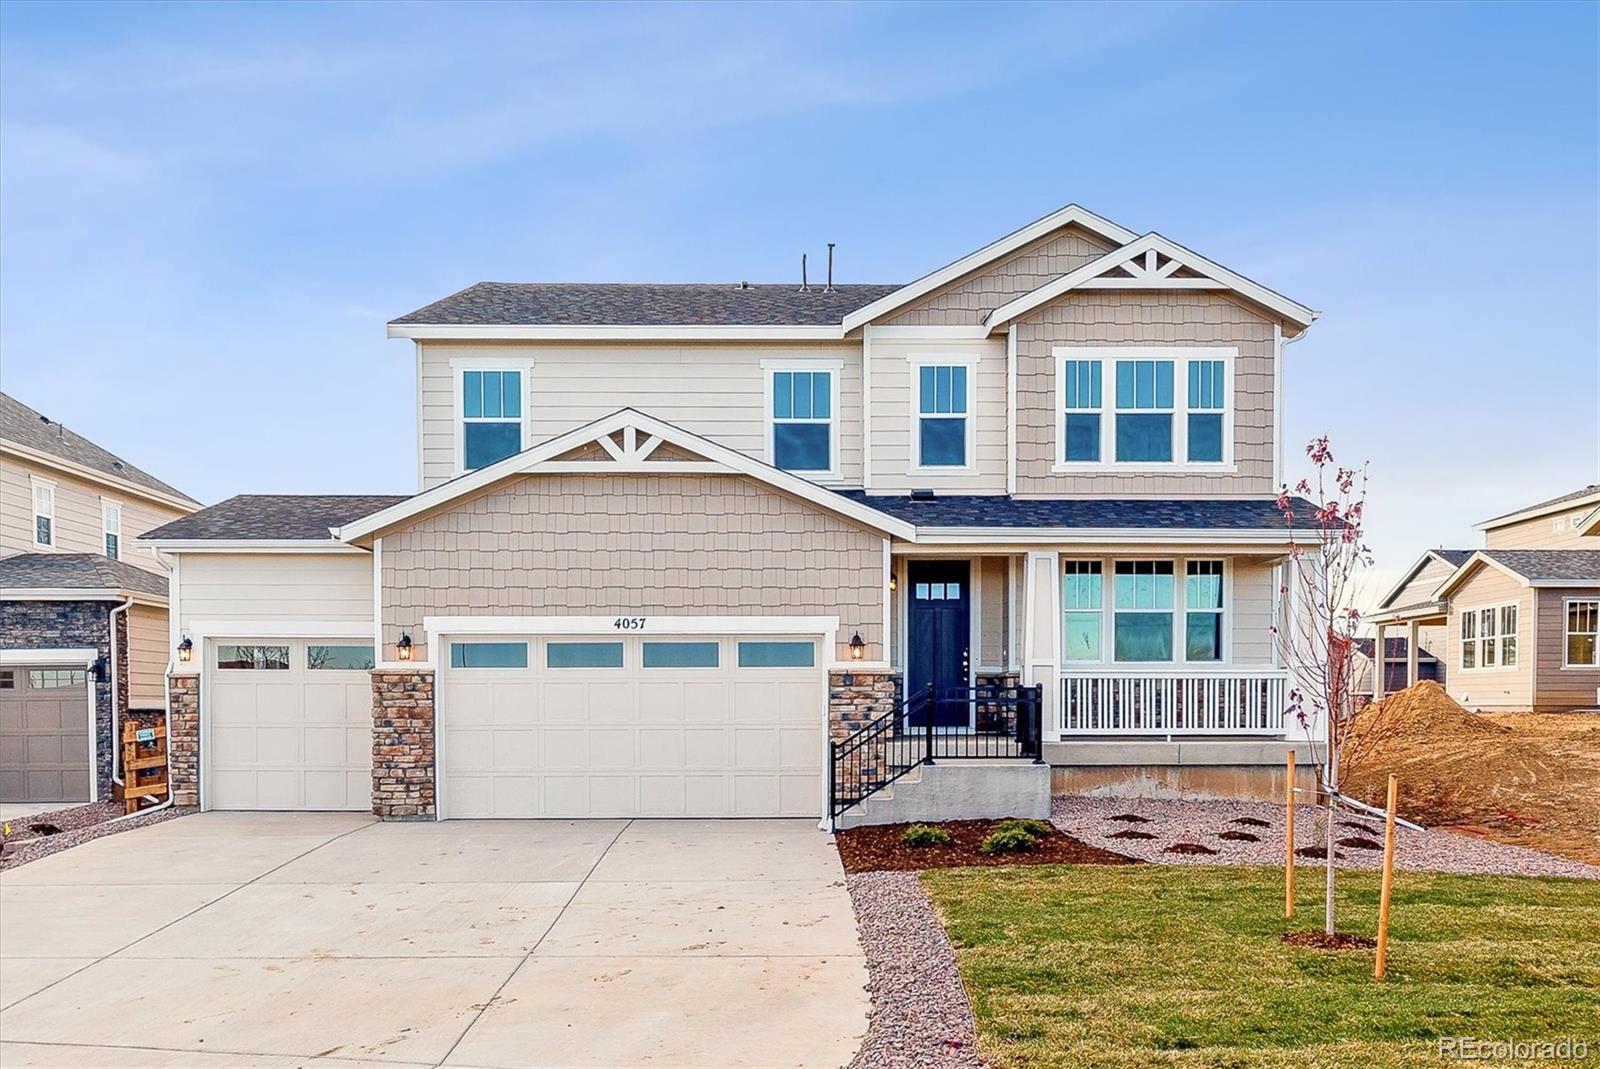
pixel 994 722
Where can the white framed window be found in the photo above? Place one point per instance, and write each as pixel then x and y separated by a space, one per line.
pixel 1204 612
pixel 943 432
pixel 1489 637
pixel 1151 617
pixel 44 512
pixel 1582 645
pixel 1082 611
pixel 111 527
pixel 802 406
pixel 1142 611
pixel 491 410
pixel 1127 408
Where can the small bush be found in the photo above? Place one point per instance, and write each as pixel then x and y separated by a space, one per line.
pixel 1037 829
pixel 920 835
pixel 1008 841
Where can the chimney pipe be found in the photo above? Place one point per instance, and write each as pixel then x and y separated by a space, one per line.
pixel 829 287
pixel 805 287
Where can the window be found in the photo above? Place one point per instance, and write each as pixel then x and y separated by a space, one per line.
pixel 1082 615
pixel 942 422
pixel 488 655
pixel 1207 398
pixel 1508 635
pixel 802 421
pixel 583 655
pixel 1144 410
pixel 44 513
pixel 111 524
pixel 491 417
pixel 253 658
pixel 339 658
pixel 936 592
pixel 681 655
pixel 777 654
pixel 8 680
pixel 1142 621
pixel 56 678
pixel 1469 639
pixel 1583 634
pixel 1080 420
pixel 1202 611
pixel 1489 637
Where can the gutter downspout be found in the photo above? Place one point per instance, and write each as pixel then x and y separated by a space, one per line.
pixel 166 712
pixel 116 703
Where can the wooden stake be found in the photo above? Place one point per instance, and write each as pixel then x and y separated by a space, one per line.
pixel 1388 879
pixel 1288 845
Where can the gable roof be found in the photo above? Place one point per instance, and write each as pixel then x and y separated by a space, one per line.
pixel 1455 558
pixel 1533 567
pixel 1554 504
pixel 32 430
pixel 1138 258
pixel 87 573
pixel 273 517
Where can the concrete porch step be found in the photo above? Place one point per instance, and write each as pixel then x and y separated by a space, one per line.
pixel 951 789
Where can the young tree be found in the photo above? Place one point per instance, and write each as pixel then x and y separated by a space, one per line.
pixel 1328 556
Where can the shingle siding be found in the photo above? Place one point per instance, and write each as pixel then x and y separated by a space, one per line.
pixel 966 301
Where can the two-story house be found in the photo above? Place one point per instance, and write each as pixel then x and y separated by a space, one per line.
pixel 1515 622
pixel 668 541
pixel 83 608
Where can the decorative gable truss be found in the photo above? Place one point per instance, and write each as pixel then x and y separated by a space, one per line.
pixel 1152 262
pixel 630 450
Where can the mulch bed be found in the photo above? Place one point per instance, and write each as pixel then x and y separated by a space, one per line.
pixel 1189 848
pixel 1238 836
pixel 1251 822
pixel 877 848
pixel 1324 941
pixel 1356 842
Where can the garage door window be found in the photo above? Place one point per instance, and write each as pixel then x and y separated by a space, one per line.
pixel 253 658
pixel 681 655
pixel 488 655
pixel 777 654
pixel 56 678
pixel 583 655
pixel 339 658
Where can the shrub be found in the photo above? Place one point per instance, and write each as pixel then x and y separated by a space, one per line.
pixel 1037 829
pixel 920 835
pixel 1008 841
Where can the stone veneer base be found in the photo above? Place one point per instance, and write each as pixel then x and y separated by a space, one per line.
pixel 403 784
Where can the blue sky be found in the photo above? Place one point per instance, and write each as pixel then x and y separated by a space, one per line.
pixel 207 213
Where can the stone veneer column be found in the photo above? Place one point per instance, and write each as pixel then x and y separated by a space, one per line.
pixel 403 785
pixel 183 744
pixel 857 696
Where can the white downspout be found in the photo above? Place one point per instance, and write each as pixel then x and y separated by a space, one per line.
pixel 166 712
pixel 116 703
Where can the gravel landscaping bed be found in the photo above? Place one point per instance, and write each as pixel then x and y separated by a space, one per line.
pixel 1171 832
pixel 920 1016
pixel 78 824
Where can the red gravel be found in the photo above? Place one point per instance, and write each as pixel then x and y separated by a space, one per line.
pixel 877 848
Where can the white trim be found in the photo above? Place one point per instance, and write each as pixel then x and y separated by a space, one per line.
pixel 835 369
pixel 1576 504
pixel 1277 405
pixel 37 483
pixel 215 630
pixel 1129 256
pixel 247 545
pixel 925 285
pixel 888 570
pixel 867 334
pixel 618 331
pixel 1462 574
pixel 1179 610
pixel 107 506
pixel 1181 357
pixel 1011 409
pixel 1566 633
pixel 84 655
pixel 417 406
pixel 915 362
pixel 536 458
pixel 99 478
pixel 377 599
pixel 967 332
pixel 1276 539
pixel 823 626
pixel 459 366
pixel 1412 572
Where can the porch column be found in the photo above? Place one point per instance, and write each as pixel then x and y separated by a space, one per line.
pixel 1411 653
pixel 1040 647
pixel 1379 661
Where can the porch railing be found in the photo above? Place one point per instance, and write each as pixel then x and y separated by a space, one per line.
pixel 1240 701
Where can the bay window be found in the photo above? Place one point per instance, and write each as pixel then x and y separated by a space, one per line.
pixel 1583 633
pixel 1162 407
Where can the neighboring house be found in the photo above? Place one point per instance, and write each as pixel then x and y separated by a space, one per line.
pixel 83 607
pixel 1516 621
pixel 1396 666
pixel 668 540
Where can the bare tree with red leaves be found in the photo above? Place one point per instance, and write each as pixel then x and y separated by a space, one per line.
pixel 1328 557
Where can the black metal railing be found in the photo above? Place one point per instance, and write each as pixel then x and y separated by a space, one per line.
pixel 929 726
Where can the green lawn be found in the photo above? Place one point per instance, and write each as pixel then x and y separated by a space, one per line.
pixel 1169 966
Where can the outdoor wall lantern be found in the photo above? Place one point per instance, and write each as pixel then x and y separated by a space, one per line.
pixel 894 582
pixel 402 648
pixel 186 649
pixel 858 648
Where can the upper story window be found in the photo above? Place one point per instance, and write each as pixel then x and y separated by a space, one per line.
pixel 1583 633
pixel 111 526
pixel 1164 408
pixel 943 424
pixel 44 512
pixel 492 423
pixel 803 435
pixel 1489 637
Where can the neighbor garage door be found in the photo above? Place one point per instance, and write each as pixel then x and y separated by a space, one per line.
pixel 44 734
pixel 289 725
pixel 621 727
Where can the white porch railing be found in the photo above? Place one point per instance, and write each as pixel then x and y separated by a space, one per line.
pixel 1174 701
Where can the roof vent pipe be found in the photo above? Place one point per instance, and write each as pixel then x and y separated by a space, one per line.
pixel 805 287
pixel 829 287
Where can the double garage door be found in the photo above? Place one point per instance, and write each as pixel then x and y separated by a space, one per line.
pixel 612 726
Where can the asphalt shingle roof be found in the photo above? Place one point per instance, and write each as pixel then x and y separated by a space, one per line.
pixel 32 429
pixel 1550 565
pixel 645 304
pixel 1587 491
pixel 276 516
pixel 77 571
pixel 979 511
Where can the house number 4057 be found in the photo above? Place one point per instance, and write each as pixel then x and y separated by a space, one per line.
pixel 628 623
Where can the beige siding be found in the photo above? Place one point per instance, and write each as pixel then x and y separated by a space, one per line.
pixel 1498 687
pixel 1422 587
pixel 78 523
pixel 1555 687
pixel 1560 530
pixel 273 586
pixel 586 545
pixel 716 390
pixel 990 576
pixel 147 657
pixel 1251 604
pixel 1164 319
pixel 970 298
pixel 894 407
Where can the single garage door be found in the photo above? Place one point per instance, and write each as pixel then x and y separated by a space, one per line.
pixel 45 750
pixel 289 725
pixel 639 726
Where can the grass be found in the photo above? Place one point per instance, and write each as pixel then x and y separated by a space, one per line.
pixel 1164 966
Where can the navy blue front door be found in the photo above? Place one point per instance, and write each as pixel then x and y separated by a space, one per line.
pixel 939 638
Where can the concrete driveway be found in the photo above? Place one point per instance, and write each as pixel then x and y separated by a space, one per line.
pixel 269 939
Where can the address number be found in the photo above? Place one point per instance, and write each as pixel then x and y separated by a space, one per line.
pixel 629 623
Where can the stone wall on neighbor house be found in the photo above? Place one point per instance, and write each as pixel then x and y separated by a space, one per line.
pixel 71 625
pixel 183 740
pixel 403 744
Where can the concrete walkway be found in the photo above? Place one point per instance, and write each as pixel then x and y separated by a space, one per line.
pixel 257 940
